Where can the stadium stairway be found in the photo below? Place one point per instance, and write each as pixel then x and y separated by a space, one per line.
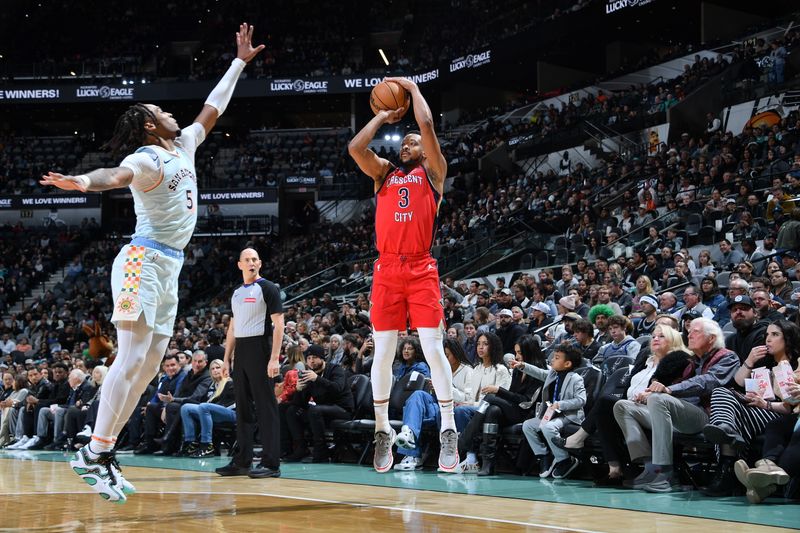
pixel 36 292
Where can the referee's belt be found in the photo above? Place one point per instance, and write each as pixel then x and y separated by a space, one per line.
pixel 169 251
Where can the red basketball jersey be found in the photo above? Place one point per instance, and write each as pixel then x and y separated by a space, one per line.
pixel 405 217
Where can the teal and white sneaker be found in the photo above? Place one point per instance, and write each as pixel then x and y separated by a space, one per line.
pixel 127 486
pixel 100 474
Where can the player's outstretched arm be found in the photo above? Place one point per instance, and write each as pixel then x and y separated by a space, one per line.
pixel 368 161
pixel 435 162
pixel 221 94
pixel 102 179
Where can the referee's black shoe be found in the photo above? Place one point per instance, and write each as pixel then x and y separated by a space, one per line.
pixel 232 469
pixel 261 471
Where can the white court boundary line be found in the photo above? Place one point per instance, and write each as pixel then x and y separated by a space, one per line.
pixel 338 502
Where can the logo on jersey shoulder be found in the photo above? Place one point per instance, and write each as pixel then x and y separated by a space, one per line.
pixel 168 160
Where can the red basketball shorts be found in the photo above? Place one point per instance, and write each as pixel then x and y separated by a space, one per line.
pixel 405 288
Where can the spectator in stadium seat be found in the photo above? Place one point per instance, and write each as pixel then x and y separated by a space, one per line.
pixel 666 340
pixel 421 408
pixel 644 286
pixel 583 332
pixel 620 328
pixel 604 298
pixel 649 306
pixel 215 350
pixel 654 243
pixel 168 384
pixel 677 407
pixel 452 314
pixel 653 268
pixel 750 329
pixel 714 300
pixel 567 280
pixel 81 416
pixel 333 400
pixel 7 345
pixel 216 408
pixel 490 371
pixel 581 308
pixel 729 257
pixel 520 296
pixel 781 287
pixel 33 413
pixel 765 306
pixel 563 390
pixel 409 358
pixel 82 391
pixel 540 317
pixel 9 408
pixel 734 424
pixel 504 408
pixel 692 302
pixel 789 260
pixel 599 316
pixel 192 390
pixel 789 232
pixel 508 331
pixel 470 342
pixel 620 296
pixel 38 387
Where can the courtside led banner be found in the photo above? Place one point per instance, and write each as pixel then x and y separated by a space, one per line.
pixel 156 92
pixel 55 201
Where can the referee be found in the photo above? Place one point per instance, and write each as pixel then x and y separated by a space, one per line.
pixel 255 330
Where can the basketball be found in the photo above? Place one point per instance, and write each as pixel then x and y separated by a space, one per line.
pixel 387 96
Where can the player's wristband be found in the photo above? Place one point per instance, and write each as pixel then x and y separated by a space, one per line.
pixel 84 181
pixel 222 93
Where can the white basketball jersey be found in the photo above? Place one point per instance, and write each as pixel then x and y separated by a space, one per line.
pixel 165 189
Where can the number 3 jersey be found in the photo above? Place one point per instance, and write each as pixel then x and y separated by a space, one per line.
pixel 164 189
pixel 405 216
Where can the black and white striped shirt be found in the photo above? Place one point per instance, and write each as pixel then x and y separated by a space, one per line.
pixel 252 305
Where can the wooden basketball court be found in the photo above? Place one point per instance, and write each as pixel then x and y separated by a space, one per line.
pixel 39 492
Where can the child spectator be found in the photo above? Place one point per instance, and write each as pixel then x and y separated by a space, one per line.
pixel 562 402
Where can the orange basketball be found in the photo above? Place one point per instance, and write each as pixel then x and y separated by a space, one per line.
pixel 387 96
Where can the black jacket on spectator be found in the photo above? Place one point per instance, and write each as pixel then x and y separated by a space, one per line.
pixel 330 388
pixel 745 340
pixel 215 351
pixel 84 394
pixel 59 395
pixel 42 390
pixel 589 352
pixel 226 398
pixel 520 390
pixel 510 335
pixel 194 387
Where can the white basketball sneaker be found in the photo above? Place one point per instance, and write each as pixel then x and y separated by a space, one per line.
pixel 100 474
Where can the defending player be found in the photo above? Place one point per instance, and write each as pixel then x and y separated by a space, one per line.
pixel 144 279
pixel 406 279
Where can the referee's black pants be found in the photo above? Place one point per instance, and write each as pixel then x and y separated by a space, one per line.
pixel 251 388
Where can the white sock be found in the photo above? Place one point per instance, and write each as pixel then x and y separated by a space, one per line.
pixel 441 373
pixel 448 420
pixel 381 376
pixel 472 458
pixel 100 445
pixel 382 417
